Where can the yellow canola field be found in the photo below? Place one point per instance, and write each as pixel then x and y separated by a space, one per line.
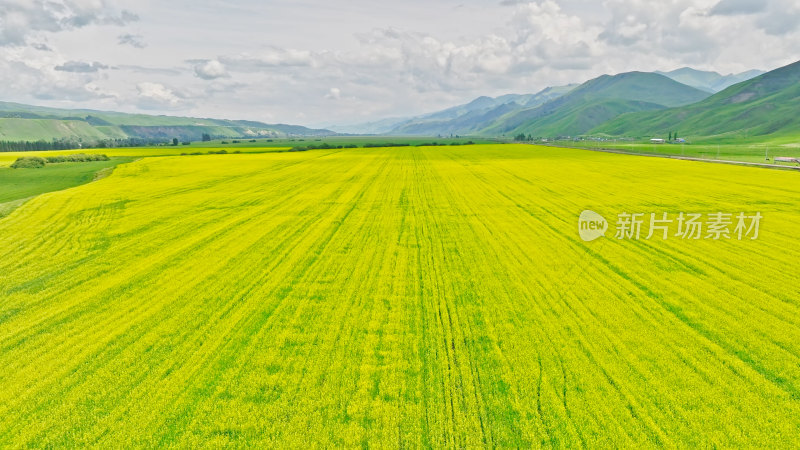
pixel 408 297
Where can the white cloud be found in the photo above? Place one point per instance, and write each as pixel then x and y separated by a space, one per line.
pixel 73 92
pixel 210 70
pixel 163 71
pixel 81 67
pixel 41 47
pixel 539 36
pixel 334 94
pixel 20 19
pixel 40 79
pixel 134 40
pixel 157 96
pixel 269 59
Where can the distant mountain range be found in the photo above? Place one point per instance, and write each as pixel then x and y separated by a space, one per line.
pixel 565 110
pixel 462 119
pixel 20 122
pixel 473 117
pixel 711 82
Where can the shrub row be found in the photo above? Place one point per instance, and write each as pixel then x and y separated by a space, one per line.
pixel 324 146
pixel 80 157
pixel 211 152
pixel 433 144
pixel 36 162
pixel 388 144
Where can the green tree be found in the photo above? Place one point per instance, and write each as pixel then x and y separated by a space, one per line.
pixel 175 141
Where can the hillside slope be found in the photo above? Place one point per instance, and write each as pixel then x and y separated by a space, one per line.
pixel 768 104
pixel 595 102
pixel 20 122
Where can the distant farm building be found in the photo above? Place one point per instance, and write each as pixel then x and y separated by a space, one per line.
pixel 657 141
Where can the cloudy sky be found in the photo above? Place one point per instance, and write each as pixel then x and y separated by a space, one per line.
pixel 320 62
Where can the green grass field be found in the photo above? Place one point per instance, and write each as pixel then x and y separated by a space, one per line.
pixel 745 150
pixel 16 185
pixel 401 297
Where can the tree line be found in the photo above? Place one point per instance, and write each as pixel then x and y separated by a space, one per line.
pixel 63 144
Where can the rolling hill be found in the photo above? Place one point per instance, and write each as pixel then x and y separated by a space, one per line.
pixel 20 122
pixel 765 105
pixel 594 103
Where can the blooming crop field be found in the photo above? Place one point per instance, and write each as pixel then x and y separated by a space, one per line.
pixel 433 296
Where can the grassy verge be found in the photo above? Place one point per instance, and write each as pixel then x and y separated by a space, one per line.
pixel 16 185
pixel 745 150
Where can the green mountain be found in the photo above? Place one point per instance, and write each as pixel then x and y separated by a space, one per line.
pixel 767 104
pixel 709 81
pixel 596 102
pixel 20 122
pixel 471 117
